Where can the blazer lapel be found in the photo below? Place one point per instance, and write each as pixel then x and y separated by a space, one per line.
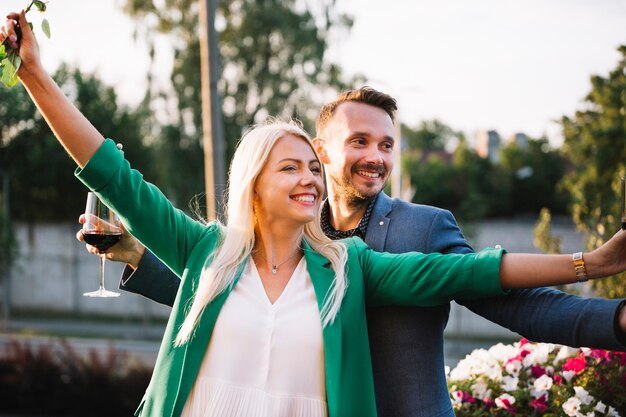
pixel 322 277
pixel 377 228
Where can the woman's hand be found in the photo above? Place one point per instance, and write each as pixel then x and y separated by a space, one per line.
pixel 18 33
pixel 609 259
pixel 127 250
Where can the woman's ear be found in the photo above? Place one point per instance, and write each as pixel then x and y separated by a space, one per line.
pixel 320 148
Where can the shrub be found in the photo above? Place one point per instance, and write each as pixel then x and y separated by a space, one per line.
pixel 54 380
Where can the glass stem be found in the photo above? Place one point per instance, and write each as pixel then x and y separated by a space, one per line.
pixel 102 255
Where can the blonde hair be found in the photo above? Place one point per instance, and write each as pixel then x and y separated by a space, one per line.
pixel 221 267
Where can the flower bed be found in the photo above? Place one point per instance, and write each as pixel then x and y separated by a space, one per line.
pixel 539 379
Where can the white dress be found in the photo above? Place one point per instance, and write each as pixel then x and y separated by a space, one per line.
pixel 264 359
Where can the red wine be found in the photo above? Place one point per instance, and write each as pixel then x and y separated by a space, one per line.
pixel 102 241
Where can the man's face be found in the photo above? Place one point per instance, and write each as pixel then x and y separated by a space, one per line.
pixel 357 148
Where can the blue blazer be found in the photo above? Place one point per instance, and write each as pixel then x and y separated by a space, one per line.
pixel 407 342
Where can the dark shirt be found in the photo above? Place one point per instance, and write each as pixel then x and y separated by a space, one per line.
pixel 334 234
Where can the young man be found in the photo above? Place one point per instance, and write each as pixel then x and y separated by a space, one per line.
pixel 355 141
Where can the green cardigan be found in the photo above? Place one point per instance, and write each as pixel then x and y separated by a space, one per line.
pixel 184 244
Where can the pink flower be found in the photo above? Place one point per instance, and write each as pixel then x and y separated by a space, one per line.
pixel 576 364
pixel 464 397
pixel 600 355
pixel 540 404
pixel 557 379
pixel 537 371
pixel 506 401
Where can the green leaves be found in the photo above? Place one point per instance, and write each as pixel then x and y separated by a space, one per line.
pixel 40 5
pixel 10 65
pixel 45 27
pixel 10 61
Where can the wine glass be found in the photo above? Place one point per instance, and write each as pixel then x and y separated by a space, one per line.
pixel 102 229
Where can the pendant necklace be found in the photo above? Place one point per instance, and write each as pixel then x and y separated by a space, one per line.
pixel 275 266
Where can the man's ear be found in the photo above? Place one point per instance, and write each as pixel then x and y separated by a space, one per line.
pixel 320 148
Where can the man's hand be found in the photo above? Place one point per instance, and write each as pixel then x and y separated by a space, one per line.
pixel 127 250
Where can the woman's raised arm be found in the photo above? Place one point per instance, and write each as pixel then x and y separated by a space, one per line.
pixel 77 135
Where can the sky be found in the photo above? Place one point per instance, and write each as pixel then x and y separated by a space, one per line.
pixel 511 66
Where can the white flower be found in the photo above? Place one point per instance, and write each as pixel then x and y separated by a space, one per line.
pixel 612 412
pixel 513 367
pixel 583 395
pixel 600 407
pixel 457 397
pixel 564 353
pixel 479 389
pixel 538 353
pixel 509 383
pixel 541 386
pixel 502 352
pixel 571 406
pixel 543 383
pixel 508 397
pixel 568 375
pixel 446 370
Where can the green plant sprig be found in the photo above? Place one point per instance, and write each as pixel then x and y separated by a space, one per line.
pixel 10 61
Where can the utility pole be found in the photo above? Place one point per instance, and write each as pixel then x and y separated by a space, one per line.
pixel 213 136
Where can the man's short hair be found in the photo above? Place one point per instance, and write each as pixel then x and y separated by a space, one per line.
pixel 365 95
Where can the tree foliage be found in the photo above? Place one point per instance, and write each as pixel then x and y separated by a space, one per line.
pixel 430 134
pixel 534 170
pixel 42 184
pixel 595 142
pixel 474 187
pixel 273 61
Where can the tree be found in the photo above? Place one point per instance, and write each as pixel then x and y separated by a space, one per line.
pixel 42 184
pixel 273 59
pixel 430 134
pixel 595 142
pixel 534 170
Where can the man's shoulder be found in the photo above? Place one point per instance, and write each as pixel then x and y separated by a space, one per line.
pixel 397 206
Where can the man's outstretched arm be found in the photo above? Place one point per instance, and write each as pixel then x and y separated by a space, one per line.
pixel 542 314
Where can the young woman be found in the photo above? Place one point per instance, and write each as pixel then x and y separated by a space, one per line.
pixel 270 316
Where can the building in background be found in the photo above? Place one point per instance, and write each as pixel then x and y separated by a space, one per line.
pixel 488 145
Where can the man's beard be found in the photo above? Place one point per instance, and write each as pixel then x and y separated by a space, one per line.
pixel 346 191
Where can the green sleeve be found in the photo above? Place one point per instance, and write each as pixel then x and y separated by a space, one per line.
pixel 419 279
pixel 169 233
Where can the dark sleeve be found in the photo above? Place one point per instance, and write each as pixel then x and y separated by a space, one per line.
pixel 548 315
pixel 152 279
pixel 540 314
